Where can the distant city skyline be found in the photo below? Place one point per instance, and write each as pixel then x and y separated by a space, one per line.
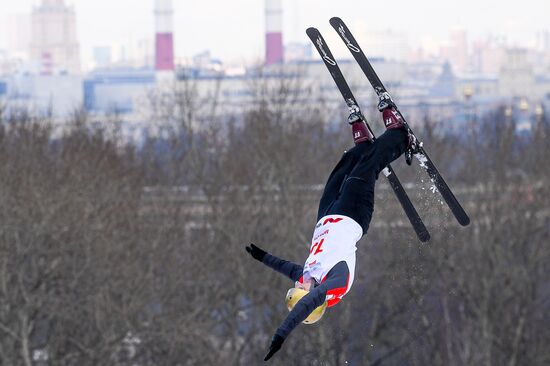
pixel 234 30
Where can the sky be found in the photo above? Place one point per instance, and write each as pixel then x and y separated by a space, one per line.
pixel 234 30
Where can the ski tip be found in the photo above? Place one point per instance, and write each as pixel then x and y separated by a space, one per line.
pixel 464 221
pixel 424 236
pixel 312 33
pixel 311 30
pixel 335 20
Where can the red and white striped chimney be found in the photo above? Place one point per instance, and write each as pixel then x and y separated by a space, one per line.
pixel 164 41
pixel 274 32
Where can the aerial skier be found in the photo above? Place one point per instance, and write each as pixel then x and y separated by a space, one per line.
pixel 344 214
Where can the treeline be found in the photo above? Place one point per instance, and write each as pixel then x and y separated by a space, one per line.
pixel 115 254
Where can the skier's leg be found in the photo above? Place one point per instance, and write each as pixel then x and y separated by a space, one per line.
pixel 363 138
pixel 388 147
pixel 340 172
pixel 357 194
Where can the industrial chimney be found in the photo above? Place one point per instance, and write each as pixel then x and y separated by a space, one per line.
pixel 274 32
pixel 164 40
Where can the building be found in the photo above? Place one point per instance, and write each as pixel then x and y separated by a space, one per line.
pixel 516 76
pixel 102 56
pixel 3 90
pixel 488 55
pixel 298 52
pixel 459 50
pixel 54 41
pixel 117 90
pixel 58 95
pixel 19 35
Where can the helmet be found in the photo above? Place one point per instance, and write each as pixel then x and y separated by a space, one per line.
pixel 294 295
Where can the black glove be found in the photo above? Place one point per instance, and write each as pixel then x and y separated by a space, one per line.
pixel 255 252
pixel 276 343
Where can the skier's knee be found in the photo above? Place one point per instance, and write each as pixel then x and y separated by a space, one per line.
pixel 357 151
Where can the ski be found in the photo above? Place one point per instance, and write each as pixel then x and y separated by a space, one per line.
pixel 353 106
pixel 421 155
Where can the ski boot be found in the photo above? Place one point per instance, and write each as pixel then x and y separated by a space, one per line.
pixel 393 119
pixel 361 132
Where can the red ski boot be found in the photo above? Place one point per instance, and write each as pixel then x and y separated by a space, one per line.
pixel 393 120
pixel 359 129
pixel 391 116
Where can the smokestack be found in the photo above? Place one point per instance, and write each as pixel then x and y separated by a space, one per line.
pixel 274 32
pixel 164 41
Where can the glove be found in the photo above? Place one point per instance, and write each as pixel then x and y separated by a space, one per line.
pixel 255 252
pixel 413 147
pixel 276 343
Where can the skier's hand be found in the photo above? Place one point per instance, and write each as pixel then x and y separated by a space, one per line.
pixel 255 252
pixel 276 343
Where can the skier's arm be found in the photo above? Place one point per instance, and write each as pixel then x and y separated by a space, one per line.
pixel 301 311
pixel 289 269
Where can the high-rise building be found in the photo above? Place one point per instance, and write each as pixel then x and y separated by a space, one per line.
pixel 543 40
pixel 456 51
pixel 19 34
pixel 459 46
pixel 488 55
pixel 102 57
pixel 53 38
pixel 516 75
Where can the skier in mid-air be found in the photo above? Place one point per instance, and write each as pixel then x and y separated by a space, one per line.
pixel 344 214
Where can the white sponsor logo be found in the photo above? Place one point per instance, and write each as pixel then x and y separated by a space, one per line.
pixel 324 53
pixel 318 236
pixel 357 134
pixel 351 46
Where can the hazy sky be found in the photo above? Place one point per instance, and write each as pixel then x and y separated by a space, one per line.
pixel 234 29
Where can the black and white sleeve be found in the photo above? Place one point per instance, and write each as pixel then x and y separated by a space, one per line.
pixel 289 269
